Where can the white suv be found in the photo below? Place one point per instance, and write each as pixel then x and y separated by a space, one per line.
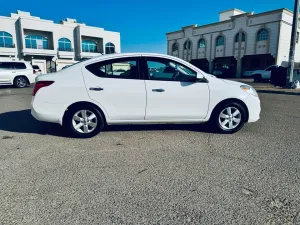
pixel 18 73
pixel 87 95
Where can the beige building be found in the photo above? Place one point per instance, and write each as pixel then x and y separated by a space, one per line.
pixel 52 46
pixel 239 40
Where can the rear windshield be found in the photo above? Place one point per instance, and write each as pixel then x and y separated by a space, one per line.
pixel 36 67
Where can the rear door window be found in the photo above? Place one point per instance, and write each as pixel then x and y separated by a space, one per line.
pixel 122 68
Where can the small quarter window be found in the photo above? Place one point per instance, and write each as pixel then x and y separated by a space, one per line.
pixel 19 66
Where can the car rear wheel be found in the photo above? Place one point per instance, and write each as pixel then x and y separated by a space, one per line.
pixel 84 121
pixel 20 82
pixel 228 118
pixel 257 78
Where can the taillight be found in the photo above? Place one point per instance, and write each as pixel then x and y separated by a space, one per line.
pixel 39 85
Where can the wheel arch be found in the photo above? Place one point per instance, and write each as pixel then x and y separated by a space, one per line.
pixel 230 100
pixel 76 104
pixel 28 82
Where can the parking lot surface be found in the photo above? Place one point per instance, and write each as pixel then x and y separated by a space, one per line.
pixel 163 174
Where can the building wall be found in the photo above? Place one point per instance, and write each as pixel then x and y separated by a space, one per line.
pixel 284 41
pixel 9 25
pixel 21 24
pixel 277 45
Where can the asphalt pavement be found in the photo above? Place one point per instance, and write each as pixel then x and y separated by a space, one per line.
pixel 158 174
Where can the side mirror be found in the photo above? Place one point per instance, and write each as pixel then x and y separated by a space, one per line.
pixel 201 79
pixel 199 76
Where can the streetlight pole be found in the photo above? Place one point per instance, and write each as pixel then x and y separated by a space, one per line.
pixel 290 72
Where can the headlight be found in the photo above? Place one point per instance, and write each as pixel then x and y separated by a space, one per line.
pixel 249 90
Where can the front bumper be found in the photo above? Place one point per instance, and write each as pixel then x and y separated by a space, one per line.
pixel 254 108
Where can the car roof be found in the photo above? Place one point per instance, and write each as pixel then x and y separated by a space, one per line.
pixel 124 55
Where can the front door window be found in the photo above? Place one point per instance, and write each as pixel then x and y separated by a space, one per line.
pixel 167 70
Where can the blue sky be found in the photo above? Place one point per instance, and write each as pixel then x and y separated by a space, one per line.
pixel 142 23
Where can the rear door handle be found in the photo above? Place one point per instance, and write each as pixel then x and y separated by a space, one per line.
pixel 158 90
pixel 96 89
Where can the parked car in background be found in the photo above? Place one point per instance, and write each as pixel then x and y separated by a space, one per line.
pixel 249 72
pixel 84 97
pixel 37 69
pixel 263 75
pixel 17 73
pixel 223 72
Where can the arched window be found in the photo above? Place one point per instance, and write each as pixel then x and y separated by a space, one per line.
pixel 187 45
pixel 89 46
pixel 64 44
pixel 201 43
pixel 36 41
pixel 6 40
pixel 220 41
pixel 262 35
pixel 237 37
pixel 109 48
pixel 174 47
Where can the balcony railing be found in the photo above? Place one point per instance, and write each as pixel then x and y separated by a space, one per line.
pixel 3 45
pixel 35 47
pixel 66 49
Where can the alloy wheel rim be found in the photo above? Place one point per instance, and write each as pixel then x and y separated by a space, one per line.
pixel 84 121
pixel 230 118
pixel 21 82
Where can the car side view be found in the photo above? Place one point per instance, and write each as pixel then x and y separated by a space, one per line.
pixel 140 89
pixel 263 75
pixel 17 73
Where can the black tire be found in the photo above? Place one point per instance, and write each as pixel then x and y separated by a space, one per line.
pixel 215 120
pixel 68 121
pixel 21 82
pixel 257 78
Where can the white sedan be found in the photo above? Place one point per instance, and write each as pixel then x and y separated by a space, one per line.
pixel 86 96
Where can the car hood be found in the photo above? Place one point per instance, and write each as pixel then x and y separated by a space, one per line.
pixel 257 71
pixel 233 82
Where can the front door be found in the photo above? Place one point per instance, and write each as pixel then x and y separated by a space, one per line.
pixel 173 93
pixel 122 95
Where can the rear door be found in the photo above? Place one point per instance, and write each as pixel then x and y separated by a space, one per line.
pixel 6 72
pixel 20 68
pixel 122 95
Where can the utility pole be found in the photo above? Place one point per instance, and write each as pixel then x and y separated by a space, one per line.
pixel 290 72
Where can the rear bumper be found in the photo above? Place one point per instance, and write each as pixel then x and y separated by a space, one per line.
pixel 47 112
pixel 254 109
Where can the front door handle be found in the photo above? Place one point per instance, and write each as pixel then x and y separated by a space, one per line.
pixel 96 89
pixel 158 90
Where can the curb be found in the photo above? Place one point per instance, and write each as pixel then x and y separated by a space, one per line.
pixel 278 92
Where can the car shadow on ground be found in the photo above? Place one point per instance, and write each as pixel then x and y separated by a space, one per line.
pixel 23 122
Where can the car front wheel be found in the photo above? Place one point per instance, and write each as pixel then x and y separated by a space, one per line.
pixel 229 118
pixel 83 121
